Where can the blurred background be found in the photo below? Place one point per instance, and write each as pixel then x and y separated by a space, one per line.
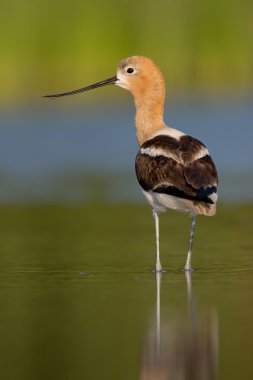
pixel 82 148
pixel 77 293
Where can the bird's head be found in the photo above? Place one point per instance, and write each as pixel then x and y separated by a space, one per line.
pixel 139 75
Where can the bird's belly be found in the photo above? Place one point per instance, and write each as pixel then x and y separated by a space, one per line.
pixel 161 202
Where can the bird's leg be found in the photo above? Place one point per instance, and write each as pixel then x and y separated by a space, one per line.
pixel 189 254
pixel 158 267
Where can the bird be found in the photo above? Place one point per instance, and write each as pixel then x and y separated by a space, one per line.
pixel 174 170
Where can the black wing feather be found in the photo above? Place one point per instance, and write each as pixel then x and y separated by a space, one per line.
pixel 184 176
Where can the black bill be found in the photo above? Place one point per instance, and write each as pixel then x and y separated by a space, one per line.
pixel 105 82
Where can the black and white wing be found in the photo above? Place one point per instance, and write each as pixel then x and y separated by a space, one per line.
pixel 181 167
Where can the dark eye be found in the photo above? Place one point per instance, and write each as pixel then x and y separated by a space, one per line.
pixel 130 70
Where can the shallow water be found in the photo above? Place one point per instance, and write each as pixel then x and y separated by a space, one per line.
pixel 79 299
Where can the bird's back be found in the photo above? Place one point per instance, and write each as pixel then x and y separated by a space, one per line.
pixel 176 171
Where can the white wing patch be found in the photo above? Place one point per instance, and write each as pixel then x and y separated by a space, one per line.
pixel 213 197
pixel 203 151
pixel 154 152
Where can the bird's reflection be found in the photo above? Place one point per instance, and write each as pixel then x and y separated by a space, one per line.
pixel 181 348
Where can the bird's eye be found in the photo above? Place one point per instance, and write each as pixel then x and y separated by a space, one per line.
pixel 130 70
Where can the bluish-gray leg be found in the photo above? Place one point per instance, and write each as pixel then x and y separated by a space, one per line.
pixel 189 254
pixel 158 267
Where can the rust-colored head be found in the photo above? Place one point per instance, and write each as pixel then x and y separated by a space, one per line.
pixel 140 76
pixel 137 74
pixel 143 79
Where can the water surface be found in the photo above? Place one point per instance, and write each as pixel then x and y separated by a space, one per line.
pixel 79 299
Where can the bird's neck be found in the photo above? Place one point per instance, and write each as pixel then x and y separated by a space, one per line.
pixel 149 117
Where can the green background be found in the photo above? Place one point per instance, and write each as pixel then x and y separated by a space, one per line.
pixel 47 45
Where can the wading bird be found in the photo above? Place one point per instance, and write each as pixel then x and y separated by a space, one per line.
pixel 174 170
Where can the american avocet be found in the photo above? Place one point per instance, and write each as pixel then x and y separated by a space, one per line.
pixel 174 170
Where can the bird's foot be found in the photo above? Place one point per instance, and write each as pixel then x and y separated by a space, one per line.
pixel 188 269
pixel 158 267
